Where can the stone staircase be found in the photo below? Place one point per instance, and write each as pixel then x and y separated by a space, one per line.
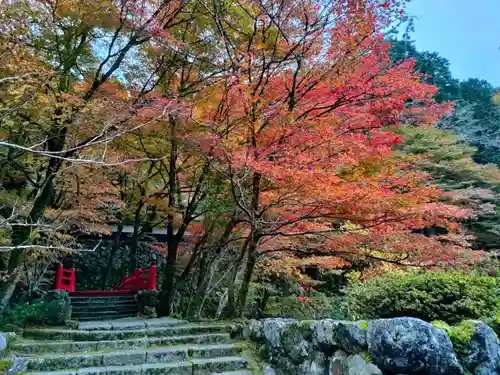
pixel 92 308
pixel 131 347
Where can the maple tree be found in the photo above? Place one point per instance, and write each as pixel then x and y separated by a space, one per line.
pixel 299 125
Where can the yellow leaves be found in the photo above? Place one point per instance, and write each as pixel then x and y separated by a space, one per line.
pixel 348 226
pixel 98 13
pixel 496 98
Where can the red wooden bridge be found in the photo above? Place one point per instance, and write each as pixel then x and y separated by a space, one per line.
pixel 139 280
pixel 105 304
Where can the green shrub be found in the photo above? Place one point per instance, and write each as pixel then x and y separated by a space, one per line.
pixel 493 320
pixel 434 295
pixel 459 335
pixel 315 306
pixel 51 311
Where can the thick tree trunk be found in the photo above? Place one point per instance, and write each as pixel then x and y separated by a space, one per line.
pixel 7 289
pixel 114 249
pixel 231 293
pixel 253 243
pixel 168 283
pixel 247 277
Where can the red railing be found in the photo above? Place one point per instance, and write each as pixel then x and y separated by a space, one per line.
pixel 140 280
pixel 65 279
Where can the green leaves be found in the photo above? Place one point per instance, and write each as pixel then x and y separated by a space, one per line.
pixel 436 295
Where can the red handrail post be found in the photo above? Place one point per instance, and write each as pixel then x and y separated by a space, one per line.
pixel 59 274
pixel 72 286
pixel 65 279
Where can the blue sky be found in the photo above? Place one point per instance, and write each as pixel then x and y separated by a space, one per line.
pixel 466 32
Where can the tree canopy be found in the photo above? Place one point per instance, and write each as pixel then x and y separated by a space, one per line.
pixel 260 134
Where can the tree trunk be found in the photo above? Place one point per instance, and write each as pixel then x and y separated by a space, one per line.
pixel 201 287
pixel 247 278
pixel 231 300
pixel 8 288
pixel 168 283
pixel 253 243
pixel 114 249
pixel 167 293
pixel 132 260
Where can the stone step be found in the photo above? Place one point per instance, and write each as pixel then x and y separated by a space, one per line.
pixel 55 362
pixel 104 311
pixel 97 332
pixel 130 324
pixel 221 364
pixel 194 367
pixel 85 318
pixel 83 304
pixel 107 311
pixel 105 307
pixel 32 347
pixel 102 302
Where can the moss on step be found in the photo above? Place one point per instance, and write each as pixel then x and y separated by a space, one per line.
pixel 250 352
pixel 4 365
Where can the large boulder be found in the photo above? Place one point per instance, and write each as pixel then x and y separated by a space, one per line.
pixel 323 335
pixel 351 337
pixel 315 364
pixel 336 366
pixel 411 346
pixel 272 329
pixel 356 365
pixel 18 366
pixel 481 354
pixel 329 335
pixel 5 338
pixel 342 363
pixel 254 330
pixel 268 370
pixel 294 343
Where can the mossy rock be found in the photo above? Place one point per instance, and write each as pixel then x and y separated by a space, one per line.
pixel 460 334
pixel 363 324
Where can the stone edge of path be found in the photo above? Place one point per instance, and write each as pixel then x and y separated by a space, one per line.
pixel 129 324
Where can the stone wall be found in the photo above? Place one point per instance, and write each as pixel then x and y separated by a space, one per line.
pixel 383 346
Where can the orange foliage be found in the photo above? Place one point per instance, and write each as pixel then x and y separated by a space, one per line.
pixel 304 144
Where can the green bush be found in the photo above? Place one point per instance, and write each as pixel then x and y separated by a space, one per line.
pixel 493 320
pixel 433 295
pixel 315 306
pixel 51 311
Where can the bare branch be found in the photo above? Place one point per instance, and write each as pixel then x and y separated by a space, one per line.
pixel 42 247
